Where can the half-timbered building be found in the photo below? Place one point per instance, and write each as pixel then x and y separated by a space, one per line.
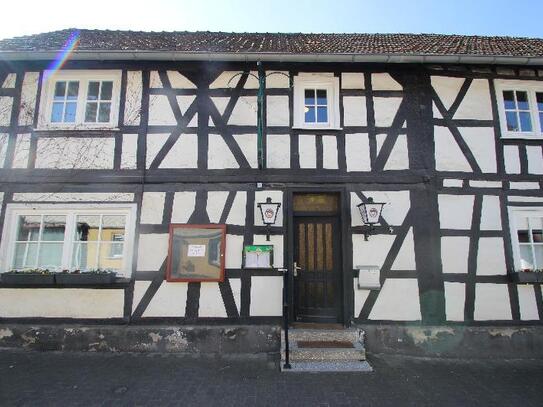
pixel 110 140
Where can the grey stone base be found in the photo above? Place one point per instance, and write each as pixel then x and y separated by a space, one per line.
pixel 189 340
pixel 522 342
pixel 328 366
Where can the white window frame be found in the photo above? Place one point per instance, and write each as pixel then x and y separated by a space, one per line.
pixel 531 87
pixel 513 228
pixel 84 77
pixel 316 81
pixel 13 211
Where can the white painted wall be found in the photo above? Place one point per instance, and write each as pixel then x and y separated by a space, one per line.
pixel 398 300
pixel 270 290
pixel 70 152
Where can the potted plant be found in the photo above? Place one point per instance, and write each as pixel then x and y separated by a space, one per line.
pixel 526 276
pixel 86 277
pixel 36 276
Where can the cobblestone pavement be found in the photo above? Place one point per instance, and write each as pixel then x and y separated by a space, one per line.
pixel 65 379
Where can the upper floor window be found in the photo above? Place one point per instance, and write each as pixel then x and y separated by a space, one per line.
pixel 86 99
pixel 316 101
pixel 520 108
pixel 527 237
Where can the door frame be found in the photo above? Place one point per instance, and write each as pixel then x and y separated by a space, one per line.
pixel 344 216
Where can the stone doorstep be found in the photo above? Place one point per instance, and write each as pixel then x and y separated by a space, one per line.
pixel 328 367
pixel 334 354
pixel 350 335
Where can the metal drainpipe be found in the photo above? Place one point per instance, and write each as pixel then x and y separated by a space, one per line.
pixel 260 118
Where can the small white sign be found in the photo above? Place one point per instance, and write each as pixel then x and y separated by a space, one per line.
pixel 196 250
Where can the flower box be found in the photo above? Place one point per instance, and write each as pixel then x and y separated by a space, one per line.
pixel 85 278
pixel 526 277
pixel 28 279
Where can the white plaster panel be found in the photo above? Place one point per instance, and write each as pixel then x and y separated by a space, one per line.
pixel 245 112
pixel 184 102
pixel 523 185
pixel 372 252
pixel 485 184
pixel 234 250
pixel 211 303
pixel 276 196
pixel 154 144
pixel 452 183
pixel 352 80
pixel 491 213
pixel 449 156
pixel 70 152
pixel 129 151
pixel 169 301
pixel 160 111
pixel 184 204
pixel 490 257
pixel 61 303
pixel 229 79
pixel 455 211
pixel 29 92
pixel 277 242
pixel 154 80
pixel 179 81
pixel 398 159
pixel 492 302
pixel 152 207
pixel 385 110
pixel 248 145
pixel 308 151
pixel 397 205
pixel 480 141
pixel 72 197
pixel 454 254
pixel 360 297
pixel 277 113
pixel 9 82
pixel 329 153
pixel 447 89
pixel 152 251
pixel 398 300
pixel 277 79
pixel 357 150
pixel 215 205
pixel 278 151
pixel 3 147
pixel 379 140
pixel 405 260
pixel 524 199
pixel 476 104
pixel 132 108
pixel 383 81
pixel 266 296
pixel 354 111
pixel 527 303
pixel 238 210
pixel 511 159
pixel 140 287
pixel 235 285
pixel 6 104
pixel 220 103
pixel 535 159
pixel 455 295
pixel 22 151
pixel 183 154
pixel 219 155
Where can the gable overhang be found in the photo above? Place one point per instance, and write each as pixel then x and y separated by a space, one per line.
pixel 272 57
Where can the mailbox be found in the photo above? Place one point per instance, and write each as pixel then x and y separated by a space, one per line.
pixel 368 277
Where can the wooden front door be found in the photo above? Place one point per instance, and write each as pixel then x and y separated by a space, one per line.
pixel 317 280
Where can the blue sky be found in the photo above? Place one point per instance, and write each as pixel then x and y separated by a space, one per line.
pixel 484 17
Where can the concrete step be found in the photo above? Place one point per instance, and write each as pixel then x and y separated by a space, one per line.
pixel 323 367
pixel 329 354
pixel 350 335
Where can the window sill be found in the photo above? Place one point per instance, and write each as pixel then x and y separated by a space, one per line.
pixel 45 129
pixel 316 128
pixel 119 283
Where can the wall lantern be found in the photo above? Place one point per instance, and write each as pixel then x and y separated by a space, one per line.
pixel 268 211
pixel 371 213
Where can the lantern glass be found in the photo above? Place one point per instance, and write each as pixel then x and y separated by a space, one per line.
pixel 370 211
pixel 268 211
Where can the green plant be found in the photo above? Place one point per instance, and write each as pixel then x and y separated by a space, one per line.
pixel 30 271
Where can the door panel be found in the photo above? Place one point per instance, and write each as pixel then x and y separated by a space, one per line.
pixel 317 283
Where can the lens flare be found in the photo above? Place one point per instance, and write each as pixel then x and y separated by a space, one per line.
pixel 69 46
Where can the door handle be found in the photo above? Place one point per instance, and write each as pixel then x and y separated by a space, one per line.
pixel 295 269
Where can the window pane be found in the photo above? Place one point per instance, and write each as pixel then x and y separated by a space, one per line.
pixel 526 259
pixel 60 90
pixel 512 123
pixel 112 225
pixel 508 99
pixel 536 226
pixel 28 228
pixel 309 114
pixel 53 228
pixel 69 113
pixel 25 255
pixel 539 98
pixel 111 256
pixel 309 96
pixel 322 114
pixel 321 97
pixel 87 228
pixel 94 88
pixel 538 256
pixel 103 115
pixel 56 113
pixel 50 255
pixel 541 121
pixel 90 112
pixel 107 87
pixel 522 100
pixel 84 256
pixel 525 121
pixel 73 90
pixel 523 236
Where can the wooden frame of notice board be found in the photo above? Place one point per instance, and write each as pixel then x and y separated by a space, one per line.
pixel 258 256
pixel 196 253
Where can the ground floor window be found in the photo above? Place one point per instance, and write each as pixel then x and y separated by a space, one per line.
pixel 527 238
pixel 69 238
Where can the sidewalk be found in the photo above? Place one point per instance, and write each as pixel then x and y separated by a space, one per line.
pixel 51 378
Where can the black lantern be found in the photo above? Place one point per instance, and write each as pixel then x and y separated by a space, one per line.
pixel 268 211
pixel 371 213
